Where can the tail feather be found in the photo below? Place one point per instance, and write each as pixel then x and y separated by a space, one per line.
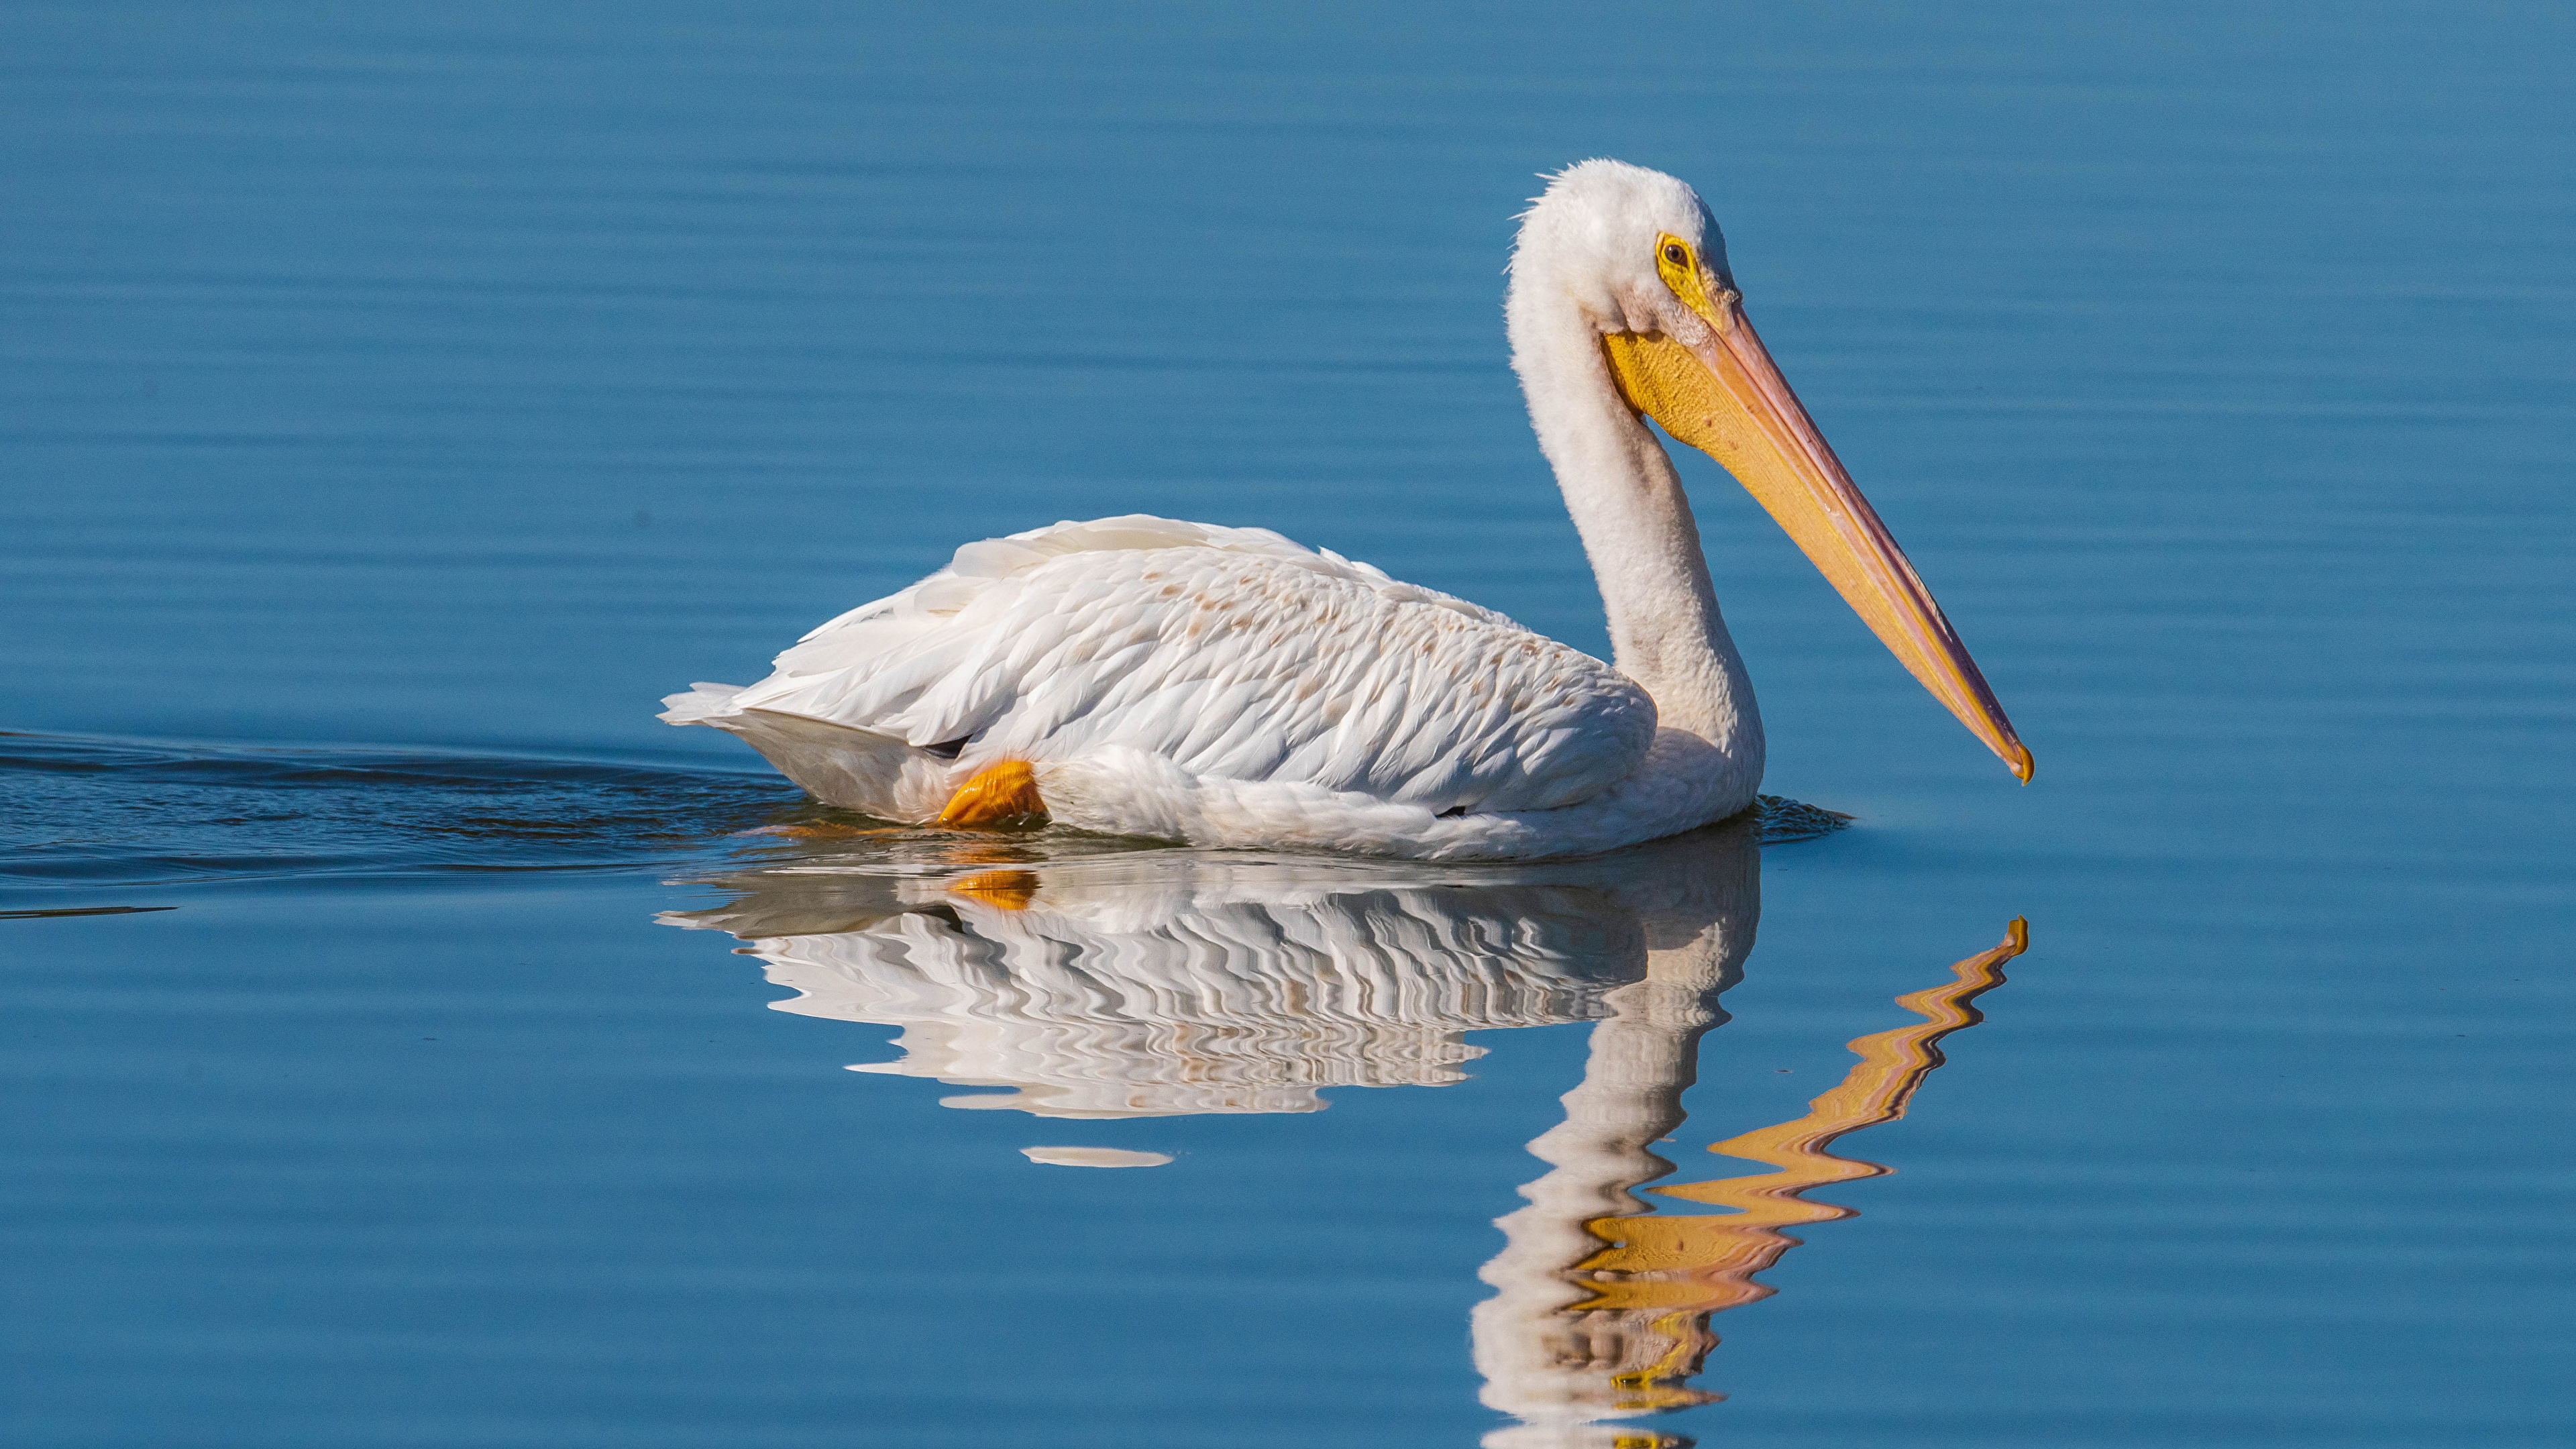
pixel 703 704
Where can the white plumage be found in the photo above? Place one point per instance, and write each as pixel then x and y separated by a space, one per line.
pixel 1254 677
pixel 1230 653
pixel 1228 687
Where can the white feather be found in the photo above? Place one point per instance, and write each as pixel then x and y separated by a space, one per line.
pixel 1220 655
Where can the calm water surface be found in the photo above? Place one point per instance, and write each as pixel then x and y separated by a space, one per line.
pixel 400 399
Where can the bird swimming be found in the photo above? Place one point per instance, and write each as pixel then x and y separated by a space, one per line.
pixel 1227 687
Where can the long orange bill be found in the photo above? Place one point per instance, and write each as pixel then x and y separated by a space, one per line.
pixel 1727 398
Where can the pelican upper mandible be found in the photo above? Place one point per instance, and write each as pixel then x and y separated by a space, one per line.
pixel 1226 687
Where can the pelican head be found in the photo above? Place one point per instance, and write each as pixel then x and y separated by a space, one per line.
pixel 1622 300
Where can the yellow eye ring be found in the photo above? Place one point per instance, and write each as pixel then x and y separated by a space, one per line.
pixel 1680 270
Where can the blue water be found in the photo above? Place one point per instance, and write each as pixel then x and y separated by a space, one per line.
pixel 400 399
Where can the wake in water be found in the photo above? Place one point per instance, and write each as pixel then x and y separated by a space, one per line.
pixel 90 811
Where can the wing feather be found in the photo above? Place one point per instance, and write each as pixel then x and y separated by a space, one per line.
pixel 1232 653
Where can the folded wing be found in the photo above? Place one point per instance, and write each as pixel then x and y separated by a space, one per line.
pixel 1234 654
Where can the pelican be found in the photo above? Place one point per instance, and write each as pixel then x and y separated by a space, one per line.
pixel 1227 687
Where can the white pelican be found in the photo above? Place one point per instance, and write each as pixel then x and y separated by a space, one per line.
pixel 1226 687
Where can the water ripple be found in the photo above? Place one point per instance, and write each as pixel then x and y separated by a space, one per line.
pixel 93 811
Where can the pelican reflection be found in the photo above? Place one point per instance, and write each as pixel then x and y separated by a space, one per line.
pixel 1163 982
